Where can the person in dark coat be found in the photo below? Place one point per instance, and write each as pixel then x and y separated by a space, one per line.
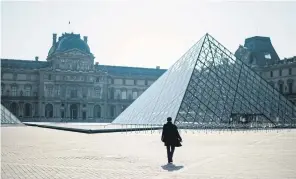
pixel 171 138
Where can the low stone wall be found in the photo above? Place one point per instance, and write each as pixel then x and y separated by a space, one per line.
pixel 98 120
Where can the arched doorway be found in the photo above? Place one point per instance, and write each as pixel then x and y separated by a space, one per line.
pixel 97 111
pixel 28 110
pixel 73 111
pixel 49 111
pixel 14 109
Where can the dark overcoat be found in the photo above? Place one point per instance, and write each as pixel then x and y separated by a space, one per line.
pixel 170 135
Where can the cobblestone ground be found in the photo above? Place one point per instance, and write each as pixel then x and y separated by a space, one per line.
pixel 31 152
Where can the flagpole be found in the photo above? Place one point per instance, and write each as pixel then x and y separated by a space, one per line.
pixel 69 27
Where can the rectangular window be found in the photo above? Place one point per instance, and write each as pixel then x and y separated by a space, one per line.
pixel 13 91
pixel 290 87
pixel 123 94
pixel 280 72
pixel 73 93
pixel 27 91
pixel 58 91
pixel 2 89
pixel 98 93
pixel 135 94
pixel 49 92
pixel 267 55
pixel 290 71
pixel 271 73
pixel 118 81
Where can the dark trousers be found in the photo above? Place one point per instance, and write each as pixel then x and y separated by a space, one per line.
pixel 170 152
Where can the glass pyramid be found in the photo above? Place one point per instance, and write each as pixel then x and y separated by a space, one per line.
pixel 7 117
pixel 209 87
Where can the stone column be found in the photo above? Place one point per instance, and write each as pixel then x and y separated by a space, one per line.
pixel 57 110
pixel 104 106
pixel 21 109
pixel 41 95
pixel 67 110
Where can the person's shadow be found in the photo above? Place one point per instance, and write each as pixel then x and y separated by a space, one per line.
pixel 171 167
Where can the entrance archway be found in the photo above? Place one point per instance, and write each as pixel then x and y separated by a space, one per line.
pixel 73 111
pixel 14 109
pixel 97 111
pixel 28 110
pixel 49 111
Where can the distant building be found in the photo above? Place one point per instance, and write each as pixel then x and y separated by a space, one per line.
pixel 68 86
pixel 259 54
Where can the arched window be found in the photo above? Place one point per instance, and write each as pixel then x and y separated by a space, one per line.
pixel 28 110
pixel 48 110
pixel 73 111
pixel 97 111
pixel 281 86
pixel 290 85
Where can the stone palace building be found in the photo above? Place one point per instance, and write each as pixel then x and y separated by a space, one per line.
pixel 69 86
pixel 259 53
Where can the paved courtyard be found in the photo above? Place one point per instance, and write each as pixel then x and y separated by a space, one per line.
pixel 32 152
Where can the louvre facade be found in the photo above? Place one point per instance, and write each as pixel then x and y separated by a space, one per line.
pixel 69 86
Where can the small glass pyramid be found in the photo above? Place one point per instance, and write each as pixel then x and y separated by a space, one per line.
pixel 209 87
pixel 7 117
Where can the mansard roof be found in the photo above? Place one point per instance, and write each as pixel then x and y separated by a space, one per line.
pixel 112 70
pixel 24 64
pixel 131 71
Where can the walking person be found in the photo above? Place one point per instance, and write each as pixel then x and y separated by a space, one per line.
pixel 171 138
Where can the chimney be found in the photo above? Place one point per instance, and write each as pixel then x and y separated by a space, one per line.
pixel 36 58
pixel 97 63
pixel 54 39
pixel 157 67
pixel 85 39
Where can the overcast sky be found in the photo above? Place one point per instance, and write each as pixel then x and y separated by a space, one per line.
pixel 143 33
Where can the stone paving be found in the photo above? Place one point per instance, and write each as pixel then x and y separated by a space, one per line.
pixel 32 152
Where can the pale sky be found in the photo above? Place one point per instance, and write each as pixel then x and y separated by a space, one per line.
pixel 143 33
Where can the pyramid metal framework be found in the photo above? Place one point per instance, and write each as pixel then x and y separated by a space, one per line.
pixel 209 87
pixel 7 117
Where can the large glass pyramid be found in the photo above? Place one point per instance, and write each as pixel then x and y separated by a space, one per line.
pixel 209 87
